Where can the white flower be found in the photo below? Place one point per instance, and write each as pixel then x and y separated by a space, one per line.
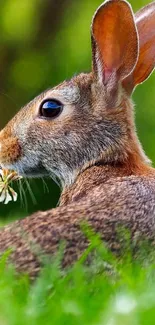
pixel 124 304
pixel 7 193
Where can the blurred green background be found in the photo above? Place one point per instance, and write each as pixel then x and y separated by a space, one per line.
pixel 43 42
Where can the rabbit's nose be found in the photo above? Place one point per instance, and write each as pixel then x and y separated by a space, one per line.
pixel 10 149
pixel 1 140
pixel 0 151
pixel 0 155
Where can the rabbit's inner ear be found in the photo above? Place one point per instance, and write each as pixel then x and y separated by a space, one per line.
pixel 114 42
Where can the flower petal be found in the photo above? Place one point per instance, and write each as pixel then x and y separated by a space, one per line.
pixel 1 173
pixel 1 186
pixel 13 193
pixel 2 196
pixel 13 176
pixel 8 197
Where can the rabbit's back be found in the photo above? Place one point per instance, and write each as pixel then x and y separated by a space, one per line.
pixel 127 202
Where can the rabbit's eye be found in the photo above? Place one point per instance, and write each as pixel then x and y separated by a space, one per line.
pixel 51 108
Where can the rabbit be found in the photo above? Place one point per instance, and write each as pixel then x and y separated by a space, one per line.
pixel 82 132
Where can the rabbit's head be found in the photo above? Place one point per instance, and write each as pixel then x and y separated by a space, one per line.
pixel 87 119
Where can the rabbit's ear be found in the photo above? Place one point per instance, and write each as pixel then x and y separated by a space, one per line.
pixel 114 42
pixel 145 21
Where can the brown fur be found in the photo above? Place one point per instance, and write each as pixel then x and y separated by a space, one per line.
pixel 91 147
pixel 10 150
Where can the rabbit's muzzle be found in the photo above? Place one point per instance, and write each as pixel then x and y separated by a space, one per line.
pixel 10 149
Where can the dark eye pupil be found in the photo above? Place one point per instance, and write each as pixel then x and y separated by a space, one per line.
pixel 51 108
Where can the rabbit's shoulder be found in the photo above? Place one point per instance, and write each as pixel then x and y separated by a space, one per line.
pixel 119 196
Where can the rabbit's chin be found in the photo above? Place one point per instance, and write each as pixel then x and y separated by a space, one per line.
pixel 25 171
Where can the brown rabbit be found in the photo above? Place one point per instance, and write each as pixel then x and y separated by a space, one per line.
pixel 82 132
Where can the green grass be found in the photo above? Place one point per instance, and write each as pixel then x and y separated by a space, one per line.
pixel 109 291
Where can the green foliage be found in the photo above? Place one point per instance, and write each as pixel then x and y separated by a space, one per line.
pixel 110 291
pixel 43 43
